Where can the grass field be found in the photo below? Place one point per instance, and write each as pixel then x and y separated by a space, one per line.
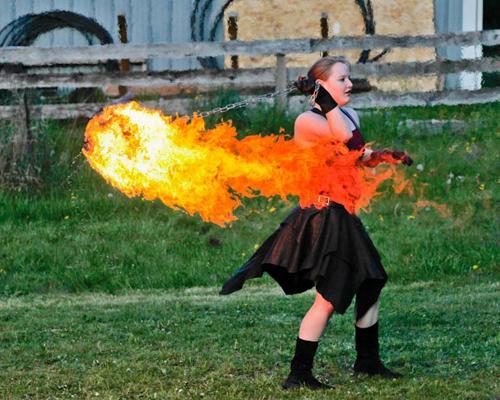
pixel 193 343
pixel 102 296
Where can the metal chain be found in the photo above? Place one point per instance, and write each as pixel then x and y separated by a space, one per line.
pixel 312 100
pixel 244 103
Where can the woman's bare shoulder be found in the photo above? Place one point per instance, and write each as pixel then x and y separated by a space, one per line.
pixel 308 114
pixel 308 126
pixel 308 117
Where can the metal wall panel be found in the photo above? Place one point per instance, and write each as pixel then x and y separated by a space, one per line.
pixel 104 14
pixel 181 33
pixel 161 20
pixel 21 7
pixel 139 21
pixel 459 16
pixel 83 7
pixel 63 37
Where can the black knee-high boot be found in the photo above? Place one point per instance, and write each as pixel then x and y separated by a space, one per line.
pixel 301 366
pixel 368 359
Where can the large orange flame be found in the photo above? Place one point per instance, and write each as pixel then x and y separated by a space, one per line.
pixel 177 160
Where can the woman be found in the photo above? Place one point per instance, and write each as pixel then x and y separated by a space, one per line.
pixel 328 247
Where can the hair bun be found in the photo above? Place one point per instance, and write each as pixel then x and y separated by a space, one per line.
pixel 305 85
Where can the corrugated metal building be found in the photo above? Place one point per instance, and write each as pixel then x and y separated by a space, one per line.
pixel 176 21
pixel 149 21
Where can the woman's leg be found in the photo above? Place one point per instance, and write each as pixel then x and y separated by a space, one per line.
pixel 367 344
pixel 370 317
pixel 314 322
pixel 311 328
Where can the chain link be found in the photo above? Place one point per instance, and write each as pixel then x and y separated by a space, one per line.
pixel 312 100
pixel 244 103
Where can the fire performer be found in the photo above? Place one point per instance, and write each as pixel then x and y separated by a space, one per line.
pixel 327 247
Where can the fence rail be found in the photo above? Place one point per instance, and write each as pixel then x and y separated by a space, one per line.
pixel 295 103
pixel 249 79
pixel 206 80
pixel 47 56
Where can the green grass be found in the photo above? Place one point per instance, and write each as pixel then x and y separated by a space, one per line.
pixel 102 296
pixel 77 233
pixel 193 343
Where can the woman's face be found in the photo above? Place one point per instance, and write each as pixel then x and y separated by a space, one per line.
pixel 338 83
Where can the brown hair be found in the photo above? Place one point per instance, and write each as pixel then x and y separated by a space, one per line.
pixel 321 69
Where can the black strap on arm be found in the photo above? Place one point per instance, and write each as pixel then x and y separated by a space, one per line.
pixel 352 119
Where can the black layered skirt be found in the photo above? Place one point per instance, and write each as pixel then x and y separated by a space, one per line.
pixel 328 248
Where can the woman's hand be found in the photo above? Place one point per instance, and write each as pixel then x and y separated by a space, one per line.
pixel 401 155
pixel 324 99
pixel 388 156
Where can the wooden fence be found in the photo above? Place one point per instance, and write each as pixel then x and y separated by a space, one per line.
pixel 248 79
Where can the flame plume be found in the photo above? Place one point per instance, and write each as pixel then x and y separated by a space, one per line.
pixel 177 160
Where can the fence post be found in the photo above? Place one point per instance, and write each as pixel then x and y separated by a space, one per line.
pixel 324 29
pixel 124 63
pixel 22 140
pixel 232 30
pixel 281 79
